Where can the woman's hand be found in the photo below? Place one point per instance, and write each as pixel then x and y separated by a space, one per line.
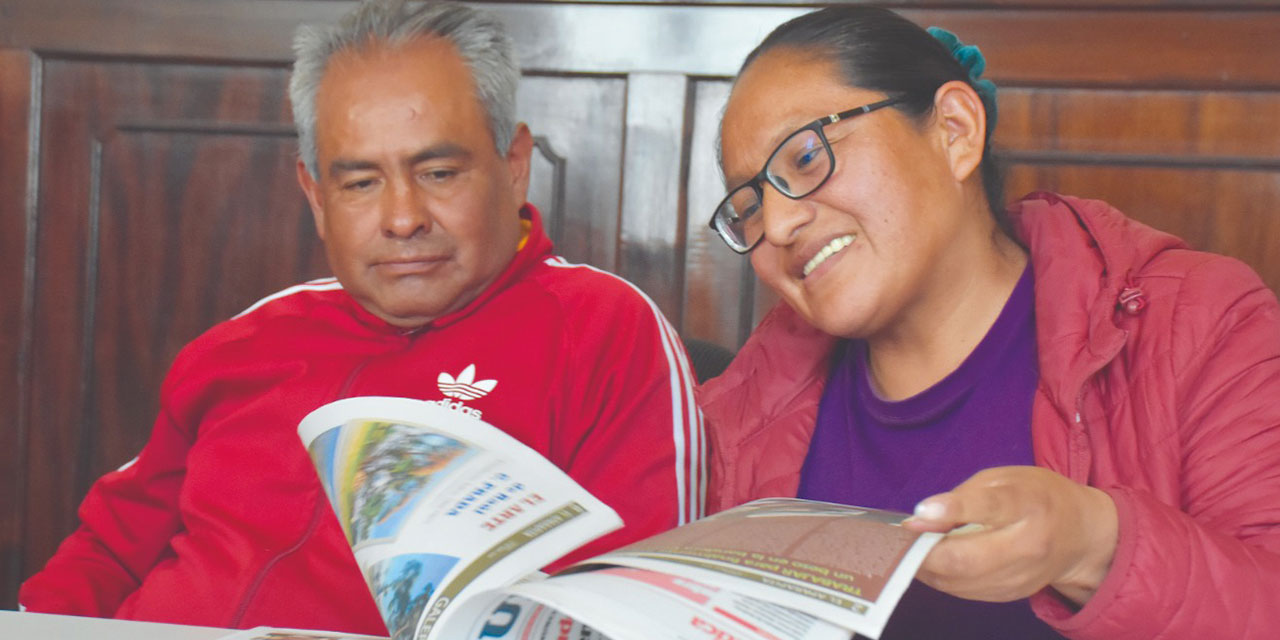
pixel 1031 528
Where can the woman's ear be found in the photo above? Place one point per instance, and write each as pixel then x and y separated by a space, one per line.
pixel 963 121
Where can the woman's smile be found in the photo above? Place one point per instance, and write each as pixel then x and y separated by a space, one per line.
pixel 830 249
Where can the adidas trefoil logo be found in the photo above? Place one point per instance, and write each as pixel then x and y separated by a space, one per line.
pixel 465 386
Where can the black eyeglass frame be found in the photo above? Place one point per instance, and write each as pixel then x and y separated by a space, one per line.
pixel 754 183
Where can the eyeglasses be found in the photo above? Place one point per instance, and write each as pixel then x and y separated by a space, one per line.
pixel 797 168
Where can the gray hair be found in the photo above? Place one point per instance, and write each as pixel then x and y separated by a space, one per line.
pixel 478 37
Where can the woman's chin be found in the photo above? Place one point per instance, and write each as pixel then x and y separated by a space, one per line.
pixel 837 321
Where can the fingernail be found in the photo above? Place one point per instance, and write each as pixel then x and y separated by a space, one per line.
pixel 928 510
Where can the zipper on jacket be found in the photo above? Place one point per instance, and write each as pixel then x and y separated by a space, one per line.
pixel 351 380
pixel 1079 433
pixel 1081 430
pixel 262 575
pixel 321 504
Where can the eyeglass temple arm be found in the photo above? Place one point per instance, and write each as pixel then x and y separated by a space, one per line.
pixel 866 108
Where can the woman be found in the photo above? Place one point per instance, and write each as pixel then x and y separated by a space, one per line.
pixel 1102 401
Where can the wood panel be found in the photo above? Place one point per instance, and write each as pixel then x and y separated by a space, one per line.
pixel 581 119
pixel 651 242
pixel 1205 49
pixel 1192 43
pixel 717 280
pixel 175 215
pixel 17 76
pixel 1223 127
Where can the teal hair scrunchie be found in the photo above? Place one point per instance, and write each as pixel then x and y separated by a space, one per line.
pixel 970 57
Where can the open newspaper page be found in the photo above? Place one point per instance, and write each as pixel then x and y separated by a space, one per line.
pixel 845 565
pixel 280 633
pixel 439 506
pixel 624 603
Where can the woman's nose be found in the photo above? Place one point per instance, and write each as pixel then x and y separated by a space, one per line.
pixel 783 217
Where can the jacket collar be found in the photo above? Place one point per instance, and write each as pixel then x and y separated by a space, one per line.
pixel 1085 255
pixel 535 249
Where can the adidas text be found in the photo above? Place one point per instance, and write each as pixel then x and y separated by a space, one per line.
pixel 454 405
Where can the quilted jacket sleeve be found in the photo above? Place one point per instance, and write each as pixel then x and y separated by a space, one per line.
pixel 1211 568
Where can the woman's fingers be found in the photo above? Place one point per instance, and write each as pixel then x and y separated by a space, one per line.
pixel 1021 529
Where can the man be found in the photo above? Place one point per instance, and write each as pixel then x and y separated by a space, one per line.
pixel 446 290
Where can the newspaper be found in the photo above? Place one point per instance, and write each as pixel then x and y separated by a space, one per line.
pixel 450 520
pixel 277 633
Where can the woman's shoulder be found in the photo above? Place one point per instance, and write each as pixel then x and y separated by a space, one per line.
pixel 1054 222
pixel 1125 252
pixel 1210 296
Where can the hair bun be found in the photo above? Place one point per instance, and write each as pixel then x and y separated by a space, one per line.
pixel 970 57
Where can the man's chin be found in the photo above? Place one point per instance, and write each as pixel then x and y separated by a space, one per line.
pixel 410 302
pixel 417 311
pixel 407 311
pixel 406 322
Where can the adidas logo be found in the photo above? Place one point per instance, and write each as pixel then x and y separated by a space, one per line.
pixel 465 386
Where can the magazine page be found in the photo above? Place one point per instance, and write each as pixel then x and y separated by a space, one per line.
pixel 439 506
pixel 280 633
pixel 846 565
pixel 502 615
pixel 637 604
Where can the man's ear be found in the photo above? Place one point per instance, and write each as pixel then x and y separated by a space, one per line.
pixel 312 190
pixel 963 123
pixel 518 160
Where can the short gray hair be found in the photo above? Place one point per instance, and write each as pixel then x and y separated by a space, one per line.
pixel 478 37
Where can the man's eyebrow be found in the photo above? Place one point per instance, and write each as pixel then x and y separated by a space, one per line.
pixel 340 166
pixel 442 150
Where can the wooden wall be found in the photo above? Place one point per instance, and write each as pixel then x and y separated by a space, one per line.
pixel 147 191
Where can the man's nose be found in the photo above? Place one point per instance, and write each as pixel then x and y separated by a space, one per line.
pixel 405 211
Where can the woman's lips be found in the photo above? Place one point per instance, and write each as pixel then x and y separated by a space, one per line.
pixel 829 250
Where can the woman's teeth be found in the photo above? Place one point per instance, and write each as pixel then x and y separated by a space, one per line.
pixel 831 249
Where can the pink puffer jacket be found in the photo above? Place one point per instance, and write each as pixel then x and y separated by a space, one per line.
pixel 1160 383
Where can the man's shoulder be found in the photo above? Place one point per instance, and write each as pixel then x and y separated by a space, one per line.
pixel 274 313
pixel 582 285
pixel 294 300
pixel 593 304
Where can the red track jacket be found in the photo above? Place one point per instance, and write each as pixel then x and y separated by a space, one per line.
pixel 221 521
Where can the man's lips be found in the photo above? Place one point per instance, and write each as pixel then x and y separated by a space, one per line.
pixel 410 265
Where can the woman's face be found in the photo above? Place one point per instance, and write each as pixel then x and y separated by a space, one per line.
pixel 866 249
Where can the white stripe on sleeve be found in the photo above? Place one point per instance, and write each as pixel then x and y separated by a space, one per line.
pixel 686 419
pixel 323 284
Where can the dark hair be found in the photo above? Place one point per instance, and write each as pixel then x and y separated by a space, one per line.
pixel 879 50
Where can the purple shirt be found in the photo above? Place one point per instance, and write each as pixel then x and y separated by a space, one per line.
pixel 871 452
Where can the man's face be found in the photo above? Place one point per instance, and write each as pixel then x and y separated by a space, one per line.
pixel 417 210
